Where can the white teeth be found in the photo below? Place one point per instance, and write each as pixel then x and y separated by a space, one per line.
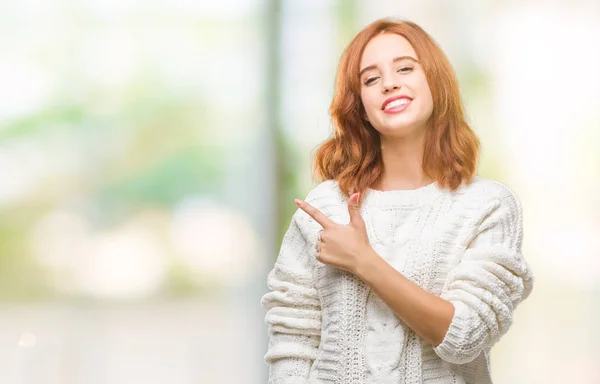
pixel 396 103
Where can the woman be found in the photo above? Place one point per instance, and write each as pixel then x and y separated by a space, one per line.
pixel 401 266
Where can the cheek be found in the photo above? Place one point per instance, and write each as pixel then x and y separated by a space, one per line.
pixel 426 99
pixel 369 101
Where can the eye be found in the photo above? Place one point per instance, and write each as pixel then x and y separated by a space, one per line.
pixel 405 69
pixel 370 80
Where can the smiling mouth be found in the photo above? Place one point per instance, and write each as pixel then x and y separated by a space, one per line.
pixel 396 103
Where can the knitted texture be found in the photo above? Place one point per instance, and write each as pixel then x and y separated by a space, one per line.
pixel 327 327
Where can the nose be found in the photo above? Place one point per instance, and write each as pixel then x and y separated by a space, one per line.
pixel 389 84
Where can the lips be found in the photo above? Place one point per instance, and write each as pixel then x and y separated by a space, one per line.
pixel 403 99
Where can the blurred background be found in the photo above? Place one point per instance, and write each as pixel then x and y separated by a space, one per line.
pixel 150 152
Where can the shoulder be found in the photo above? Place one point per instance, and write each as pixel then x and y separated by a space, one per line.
pixel 487 191
pixel 327 198
pixel 492 199
pixel 325 195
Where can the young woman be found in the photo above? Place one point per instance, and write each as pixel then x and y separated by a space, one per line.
pixel 401 265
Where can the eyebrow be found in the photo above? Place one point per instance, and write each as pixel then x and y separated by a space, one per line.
pixel 396 59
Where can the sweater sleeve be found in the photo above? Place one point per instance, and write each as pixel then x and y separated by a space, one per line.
pixel 488 283
pixel 293 308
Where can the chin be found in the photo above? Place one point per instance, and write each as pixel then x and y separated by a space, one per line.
pixel 398 126
pixel 398 130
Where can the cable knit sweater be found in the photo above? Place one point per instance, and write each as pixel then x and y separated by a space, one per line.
pixel 327 326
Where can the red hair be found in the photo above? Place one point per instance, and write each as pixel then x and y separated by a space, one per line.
pixel 353 155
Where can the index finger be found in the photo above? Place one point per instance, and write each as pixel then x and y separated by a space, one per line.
pixel 313 212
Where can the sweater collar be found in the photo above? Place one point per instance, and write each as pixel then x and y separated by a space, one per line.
pixel 403 197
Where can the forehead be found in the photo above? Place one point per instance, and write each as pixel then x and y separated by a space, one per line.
pixel 384 48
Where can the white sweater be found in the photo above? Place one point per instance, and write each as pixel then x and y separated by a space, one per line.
pixel 326 326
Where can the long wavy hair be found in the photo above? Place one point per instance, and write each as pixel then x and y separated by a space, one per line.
pixel 352 156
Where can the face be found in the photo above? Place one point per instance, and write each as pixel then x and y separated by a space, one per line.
pixel 394 89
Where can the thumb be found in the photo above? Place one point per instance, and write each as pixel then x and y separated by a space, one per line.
pixel 354 209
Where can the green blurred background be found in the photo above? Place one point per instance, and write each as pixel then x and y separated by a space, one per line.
pixel 150 152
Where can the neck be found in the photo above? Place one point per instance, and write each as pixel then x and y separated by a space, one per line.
pixel 403 163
